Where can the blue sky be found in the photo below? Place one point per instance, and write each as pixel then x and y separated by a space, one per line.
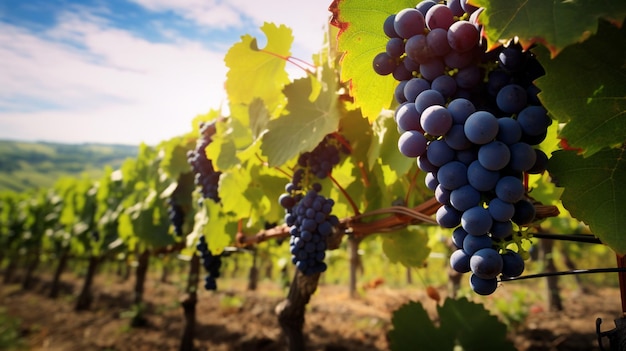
pixel 128 71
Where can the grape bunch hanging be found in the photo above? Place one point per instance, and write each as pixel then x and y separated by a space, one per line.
pixel 212 264
pixel 205 175
pixel 308 212
pixel 176 215
pixel 473 120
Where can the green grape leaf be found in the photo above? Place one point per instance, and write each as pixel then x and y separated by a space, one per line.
pixel 461 322
pixel 259 73
pixel 469 323
pixel 594 191
pixel 222 150
pixel 362 39
pixel 414 331
pixel 312 113
pixel 556 24
pixel 231 187
pixel 594 103
pixel 259 116
pixel 174 161
pixel 358 134
pixel 217 227
pixel 408 246
pixel 386 149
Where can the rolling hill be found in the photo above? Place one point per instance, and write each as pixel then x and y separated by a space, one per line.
pixel 28 165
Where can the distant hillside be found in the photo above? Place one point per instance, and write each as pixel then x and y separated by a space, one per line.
pixel 27 165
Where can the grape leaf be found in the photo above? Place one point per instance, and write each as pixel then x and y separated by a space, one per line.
pixel 594 191
pixel 259 73
pixel 312 113
pixel 217 227
pixel 414 331
pixel 556 24
pixel 386 149
pixel 174 161
pixel 594 101
pixel 469 323
pixel 362 39
pixel 230 188
pixel 461 322
pixel 409 246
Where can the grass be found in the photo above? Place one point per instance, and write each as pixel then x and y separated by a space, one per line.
pixel 9 332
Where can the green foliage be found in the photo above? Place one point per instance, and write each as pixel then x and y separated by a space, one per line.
pixel 556 24
pixel 594 103
pixel 360 42
pixel 594 191
pixel 312 112
pixel 10 338
pixel 259 73
pixel 407 246
pixel 461 322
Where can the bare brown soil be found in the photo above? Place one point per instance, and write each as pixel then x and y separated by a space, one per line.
pixel 233 319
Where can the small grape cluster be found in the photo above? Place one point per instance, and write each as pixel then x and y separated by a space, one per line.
pixel 472 119
pixel 176 215
pixel 211 263
pixel 323 158
pixel 308 213
pixel 205 175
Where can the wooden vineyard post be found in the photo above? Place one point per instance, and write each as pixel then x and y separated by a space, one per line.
pixel 355 262
pixel 84 299
pixel 56 280
pixel 617 335
pixel 189 302
pixel 291 311
pixel 140 279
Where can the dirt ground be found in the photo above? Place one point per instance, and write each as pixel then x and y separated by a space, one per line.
pixel 233 319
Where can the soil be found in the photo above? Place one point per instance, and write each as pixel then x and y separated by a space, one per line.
pixel 234 319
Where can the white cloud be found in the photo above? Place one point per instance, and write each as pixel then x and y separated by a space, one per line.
pixel 112 86
pixel 306 18
pixel 109 85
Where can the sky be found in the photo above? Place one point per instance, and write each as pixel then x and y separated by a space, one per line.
pixel 128 71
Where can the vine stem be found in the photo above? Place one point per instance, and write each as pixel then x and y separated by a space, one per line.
pixel 583 238
pixel 345 193
pixel 265 163
pixel 620 270
pixel 411 186
pixel 291 60
pixel 343 141
pixel 398 217
pixel 621 263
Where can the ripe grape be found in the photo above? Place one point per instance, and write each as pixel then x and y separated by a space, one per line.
pixel 471 118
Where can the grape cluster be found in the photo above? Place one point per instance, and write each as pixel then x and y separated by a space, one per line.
pixel 308 213
pixel 176 215
pixel 311 222
pixel 211 263
pixel 205 175
pixel 472 119
pixel 323 158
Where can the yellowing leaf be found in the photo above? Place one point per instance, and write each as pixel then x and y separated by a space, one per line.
pixel 361 41
pixel 259 73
